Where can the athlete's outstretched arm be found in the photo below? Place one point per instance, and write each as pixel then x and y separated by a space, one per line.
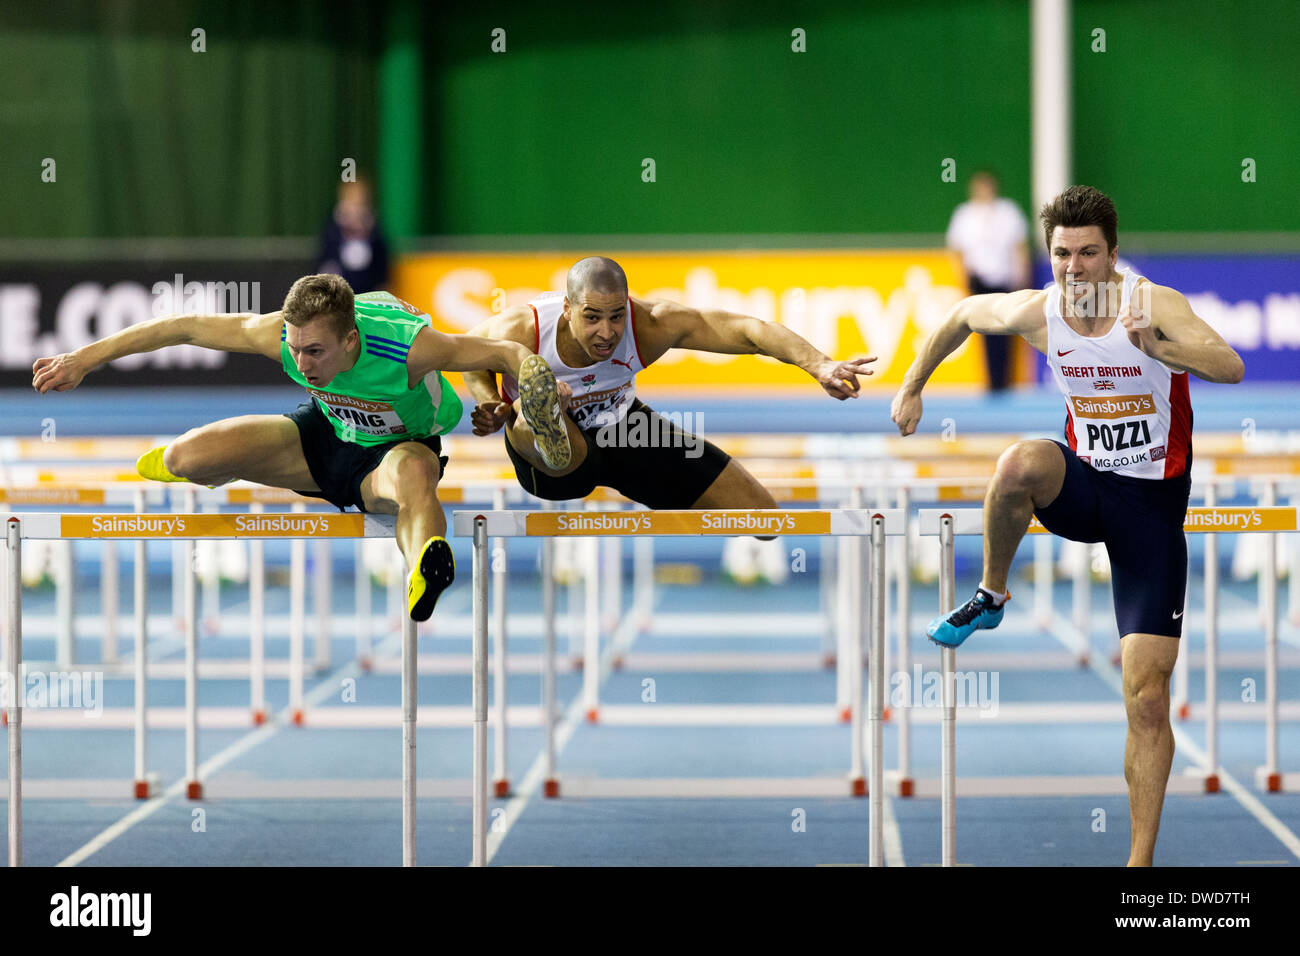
pixel 515 326
pixel 1011 313
pixel 231 332
pixel 714 330
pixel 437 351
pixel 1176 336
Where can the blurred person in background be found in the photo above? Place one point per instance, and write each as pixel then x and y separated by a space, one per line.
pixel 352 244
pixel 990 233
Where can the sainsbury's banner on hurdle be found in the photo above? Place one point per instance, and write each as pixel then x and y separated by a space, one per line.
pixel 847 303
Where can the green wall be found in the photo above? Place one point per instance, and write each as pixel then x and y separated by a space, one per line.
pixel 1184 93
pixel 153 139
pixel 549 137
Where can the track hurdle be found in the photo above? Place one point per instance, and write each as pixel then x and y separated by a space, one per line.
pixel 483 526
pixel 970 521
pixel 185 529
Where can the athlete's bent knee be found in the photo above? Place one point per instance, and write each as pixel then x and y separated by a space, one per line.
pixel 1022 467
pixel 416 478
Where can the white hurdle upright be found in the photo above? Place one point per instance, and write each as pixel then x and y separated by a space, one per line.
pixel 483 526
pixel 183 529
pixel 1266 518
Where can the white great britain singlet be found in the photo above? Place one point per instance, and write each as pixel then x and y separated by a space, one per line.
pixel 1128 413
pixel 602 393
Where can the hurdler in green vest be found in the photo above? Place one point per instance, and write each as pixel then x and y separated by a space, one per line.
pixel 368 437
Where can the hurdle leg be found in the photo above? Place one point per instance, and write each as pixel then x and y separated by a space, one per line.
pixel 1179 703
pixel 1043 580
pixel 108 586
pixel 320 587
pixel 14 706
pixel 257 625
pixel 1268 777
pixel 1211 652
pixel 551 786
pixel 501 780
pixel 297 622
pixel 906 786
pixel 876 784
pixel 829 552
pixel 860 623
pixel 1293 573
pixel 643 580
pixel 211 582
pixel 193 789
pixel 480 690
pixel 409 704
pixel 362 602
pixel 948 655
pixel 65 652
pixel 591 630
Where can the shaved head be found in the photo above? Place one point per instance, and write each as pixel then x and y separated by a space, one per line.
pixel 595 274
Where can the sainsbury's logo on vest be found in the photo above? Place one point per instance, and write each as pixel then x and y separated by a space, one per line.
pixel 1112 406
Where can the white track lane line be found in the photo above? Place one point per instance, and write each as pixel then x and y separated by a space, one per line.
pixel 619 645
pixel 326 688
pixel 1241 794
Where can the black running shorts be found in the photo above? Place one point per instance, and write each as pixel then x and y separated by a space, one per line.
pixel 1140 520
pixel 338 467
pixel 662 467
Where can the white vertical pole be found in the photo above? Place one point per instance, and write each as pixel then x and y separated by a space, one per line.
pixel 1083 591
pixel 501 779
pixel 297 621
pixel 948 774
pixel 1293 576
pixel 643 574
pixel 481 558
pixel 1043 580
pixel 876 783
pixel 257 624
pixel 1273 779
pixel 1180 705
pixel 612 569
pixel 212 583
pixel 409 704
pixel 1051 107
pixel 13 601
pixel 551 787
pixel 591 630
pixel 176 502
pixel 1211 651
pixel 108 586
pixel 904 716
pixel 66 591
pixel 830 547
pixel 850 579
pixel 193 787
pixel 141 613
pixel 362 602
pixel 322 588
pixel 858 616
pixel 396 583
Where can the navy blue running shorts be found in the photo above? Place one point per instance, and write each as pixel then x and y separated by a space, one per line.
pixel 1140 520
pixel 669 473
pixel 338 466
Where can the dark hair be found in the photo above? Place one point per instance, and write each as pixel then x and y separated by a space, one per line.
pixel 325 294
pixel 1081 206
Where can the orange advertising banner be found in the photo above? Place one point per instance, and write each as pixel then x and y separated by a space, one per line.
pixel 847 303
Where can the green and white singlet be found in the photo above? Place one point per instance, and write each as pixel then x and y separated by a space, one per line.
pixel 370 403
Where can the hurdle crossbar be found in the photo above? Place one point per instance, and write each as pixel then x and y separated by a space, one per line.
pixel 874 524
pixel 186 527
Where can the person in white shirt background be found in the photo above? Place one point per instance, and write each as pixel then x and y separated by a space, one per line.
pixel 990 234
